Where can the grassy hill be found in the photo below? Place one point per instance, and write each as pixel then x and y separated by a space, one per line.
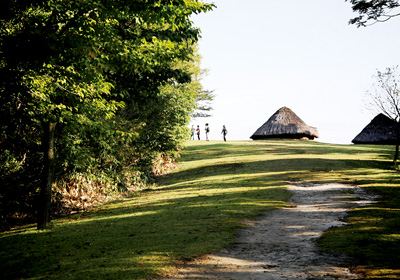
pixel 197 208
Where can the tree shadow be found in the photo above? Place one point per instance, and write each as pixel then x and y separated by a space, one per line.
pixel 279 146
pixel 285 169
pixel 135 237
pixel 123 241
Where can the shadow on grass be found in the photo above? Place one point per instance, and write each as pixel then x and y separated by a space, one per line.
pixel 281 147
pixel 128 239
pixel 193 212
pixel 287 169
pixel 372 238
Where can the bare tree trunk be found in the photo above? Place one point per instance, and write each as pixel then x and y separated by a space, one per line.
pixel 396 154
pixel 44 203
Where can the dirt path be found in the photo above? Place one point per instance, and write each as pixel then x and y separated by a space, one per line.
pixel 281 244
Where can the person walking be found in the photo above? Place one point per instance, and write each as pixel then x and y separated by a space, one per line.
pixel 198 132
pixel 224 132
pixel 207 129
pixel 192 130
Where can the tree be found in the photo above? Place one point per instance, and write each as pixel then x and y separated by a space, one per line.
pixel 164 127
pixel 203 106
pixel 384 97
pixel 372 11
pixel 70 65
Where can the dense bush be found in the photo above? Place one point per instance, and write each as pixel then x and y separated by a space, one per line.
pixel 93 96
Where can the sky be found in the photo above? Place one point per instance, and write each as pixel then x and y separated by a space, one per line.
pixel 262 55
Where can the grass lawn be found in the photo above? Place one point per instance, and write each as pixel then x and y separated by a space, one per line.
pixel 197 208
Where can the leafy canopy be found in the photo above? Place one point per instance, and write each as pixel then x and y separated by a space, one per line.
pixel 372 11
pixel 115 75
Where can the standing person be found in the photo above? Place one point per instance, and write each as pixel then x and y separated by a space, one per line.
pixel 207 129
pixel 198 132
pixel 192 131
pixel 224 132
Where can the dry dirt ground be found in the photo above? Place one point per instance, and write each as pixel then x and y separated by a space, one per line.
pixel 282 244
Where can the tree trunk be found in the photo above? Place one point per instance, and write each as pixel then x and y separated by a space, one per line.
pixel 44 202
pixel 396 154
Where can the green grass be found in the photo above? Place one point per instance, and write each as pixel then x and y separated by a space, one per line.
pixel 197 208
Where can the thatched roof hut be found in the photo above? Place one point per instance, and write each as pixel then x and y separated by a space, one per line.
pixel 285 124
pixel 381 130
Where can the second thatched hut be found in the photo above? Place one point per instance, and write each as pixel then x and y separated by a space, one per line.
pixel 381 130
pixel 285 124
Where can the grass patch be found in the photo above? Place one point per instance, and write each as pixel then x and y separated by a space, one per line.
pixel 197 208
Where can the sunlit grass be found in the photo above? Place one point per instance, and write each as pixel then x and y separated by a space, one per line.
pixel 198 207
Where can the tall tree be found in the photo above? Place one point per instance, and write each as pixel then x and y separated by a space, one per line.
pixel 372 11
pixel 203 106
pixel 75 62
pixel 384 97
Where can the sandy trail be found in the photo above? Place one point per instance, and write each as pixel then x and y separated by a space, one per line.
pixel 281 244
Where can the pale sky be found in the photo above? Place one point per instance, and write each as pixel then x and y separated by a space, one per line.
pixel 265 54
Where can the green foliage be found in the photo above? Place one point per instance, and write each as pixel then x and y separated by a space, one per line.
pixel 109 73
pixel 197 208
pixel 373 11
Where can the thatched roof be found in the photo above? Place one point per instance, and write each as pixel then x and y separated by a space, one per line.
pixel 381 130
pixel 285 124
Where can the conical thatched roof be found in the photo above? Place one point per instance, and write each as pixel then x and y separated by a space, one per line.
pixel 381 130
pixel 285 124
